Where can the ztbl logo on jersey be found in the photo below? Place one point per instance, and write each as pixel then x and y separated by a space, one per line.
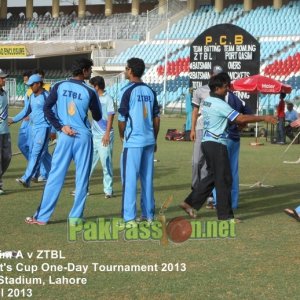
pixel 71 108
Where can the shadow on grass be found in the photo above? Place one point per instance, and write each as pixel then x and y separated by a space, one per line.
pixel 258 202
pixel 20 189
pixel 268 201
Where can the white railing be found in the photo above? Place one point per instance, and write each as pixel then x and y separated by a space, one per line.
pixel 11 89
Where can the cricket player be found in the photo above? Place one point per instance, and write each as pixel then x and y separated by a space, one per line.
pixel 216 114
pixel 26 133
pixel 24 130
pixel 138 126
pixel 42 174
pixel 40 128
pixel 103 136
pixel 5 141
pixel 72 99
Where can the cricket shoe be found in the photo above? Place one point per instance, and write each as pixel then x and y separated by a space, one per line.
pixel 39 179
pixel 235 221
pixel 22 182
pixel 210 203
pixel 143 219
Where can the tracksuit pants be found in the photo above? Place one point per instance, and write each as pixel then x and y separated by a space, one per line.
pixel 233 148
pixel 80 149
pixel 199 167
pixel 137 163
pixel 219 176
pixel 24 139
pixel 104 154
pixel 5 154
pixel 40 141
pixel 25 144
pixel 281 130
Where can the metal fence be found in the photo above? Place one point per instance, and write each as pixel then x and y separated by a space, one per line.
pixel 11 88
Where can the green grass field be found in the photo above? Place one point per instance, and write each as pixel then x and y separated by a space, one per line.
pixel 262 262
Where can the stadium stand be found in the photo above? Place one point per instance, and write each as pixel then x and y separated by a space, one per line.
pixel 92 27
pixel 281 47
pixel 267 21
pixel 194 23
pixel 277 30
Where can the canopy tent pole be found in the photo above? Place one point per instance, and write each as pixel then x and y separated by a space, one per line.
pixel 257 143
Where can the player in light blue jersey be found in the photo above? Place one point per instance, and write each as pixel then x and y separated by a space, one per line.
pixel 26 133
pixel 216 115
pixel 103 136
pixel 233 145
pixel 42 174
pixel 138 126
pixel 40 129
pixel 5 141
pixel 24 136
pixel 72 98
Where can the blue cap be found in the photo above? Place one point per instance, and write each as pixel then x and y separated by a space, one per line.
pixel 33 79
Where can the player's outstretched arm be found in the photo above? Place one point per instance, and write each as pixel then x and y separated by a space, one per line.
pixel 241 119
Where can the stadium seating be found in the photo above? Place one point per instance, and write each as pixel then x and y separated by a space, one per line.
pixel 280 47
pixel 151 52
pixel 271 48
pixel 277 30
pixel 195 23
pixel 94 27
pixel 267 21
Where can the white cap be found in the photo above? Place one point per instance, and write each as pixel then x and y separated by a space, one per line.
pixel 3 74
pixel 217 70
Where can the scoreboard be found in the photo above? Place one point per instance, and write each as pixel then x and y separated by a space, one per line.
pixel 230 47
